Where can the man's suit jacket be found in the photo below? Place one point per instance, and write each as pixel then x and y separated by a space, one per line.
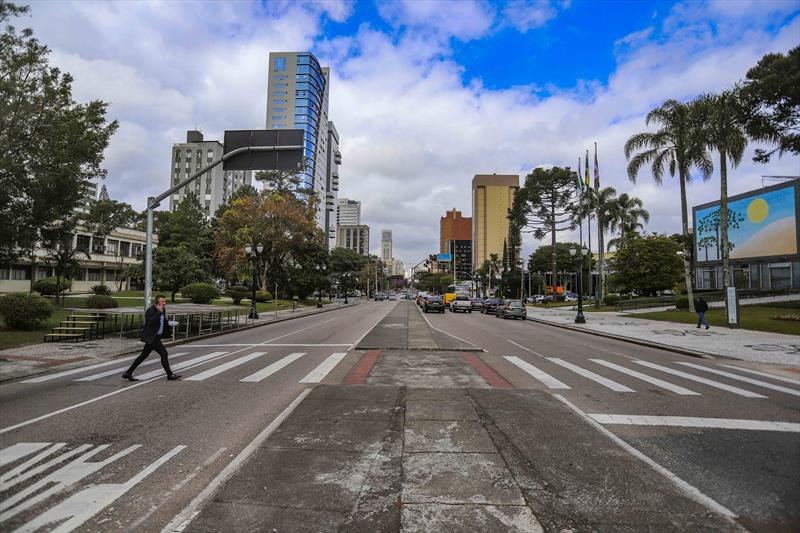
pixel 152 321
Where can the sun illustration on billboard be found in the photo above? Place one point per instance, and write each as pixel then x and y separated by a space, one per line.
pixel 758 210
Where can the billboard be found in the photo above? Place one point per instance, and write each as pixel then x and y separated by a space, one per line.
pixel 761 223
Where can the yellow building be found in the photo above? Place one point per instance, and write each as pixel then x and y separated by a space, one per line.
pixel 492 197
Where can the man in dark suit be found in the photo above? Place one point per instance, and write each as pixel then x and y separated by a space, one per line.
pixel 155 325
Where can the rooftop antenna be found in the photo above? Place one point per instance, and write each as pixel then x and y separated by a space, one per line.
pixel 777 178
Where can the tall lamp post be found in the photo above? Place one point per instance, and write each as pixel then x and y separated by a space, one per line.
pixel 253 252
pixel 320 270
pixel 579 318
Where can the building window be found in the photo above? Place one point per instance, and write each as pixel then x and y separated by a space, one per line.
pixel 279 77
pixel 111 247
pixel 780 276
pixel 20 273
pixel 280 64
pixel 124 249
pixel 83 243
pixel 188 155
pixel 136 250
pixel 5 273
pixel 95 274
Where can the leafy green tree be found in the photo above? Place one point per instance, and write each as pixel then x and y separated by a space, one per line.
pixel 677 146
pixel 176 267
pixel 103 217
pixel 770 99
pixel 647 264
pixel 345 267
pixel 541 259
pixel 50 146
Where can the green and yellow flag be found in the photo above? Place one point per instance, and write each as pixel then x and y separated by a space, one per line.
pixel 587 182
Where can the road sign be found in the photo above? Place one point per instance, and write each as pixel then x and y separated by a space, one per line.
pixel 287 153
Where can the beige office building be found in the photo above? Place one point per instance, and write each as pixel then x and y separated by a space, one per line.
pixel 353 237
pixel 492 197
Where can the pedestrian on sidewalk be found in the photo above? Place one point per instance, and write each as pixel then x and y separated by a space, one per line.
pixel 701 306
pixel 155 325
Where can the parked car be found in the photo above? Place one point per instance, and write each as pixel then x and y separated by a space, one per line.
pixel 433 303
pixel 379 296
pixel 476 303
pixel 392 298
pixel 511 309
pixel 461 304
pixel 490 306
pixel 570 297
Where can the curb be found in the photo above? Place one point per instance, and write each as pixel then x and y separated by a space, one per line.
pixel 640 342
pixel 178 342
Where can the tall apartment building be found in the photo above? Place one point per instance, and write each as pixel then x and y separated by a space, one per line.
pixel 386 245
pixel 492 197
pixel 334 159
pixel 297 98
pixel 348 212
pixel 353 237
pixel 454 227
pixel 214 187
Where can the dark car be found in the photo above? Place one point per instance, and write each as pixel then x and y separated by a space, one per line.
pixel 433 303
pixel 477 304
pixel 490 306
pixel 512 309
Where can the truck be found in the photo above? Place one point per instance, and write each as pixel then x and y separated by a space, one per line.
pixel 461 303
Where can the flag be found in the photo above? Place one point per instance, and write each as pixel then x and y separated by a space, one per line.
pixel 578 180
pixel 588 183
pixel 596 171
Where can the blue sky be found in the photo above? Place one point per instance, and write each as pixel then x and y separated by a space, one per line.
pixel 425 94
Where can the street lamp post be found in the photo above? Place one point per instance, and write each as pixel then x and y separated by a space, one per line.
pixel 579 318
pixel 253 252
pixel 320 270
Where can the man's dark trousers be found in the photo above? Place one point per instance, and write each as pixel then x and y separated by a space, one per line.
pixel 149 347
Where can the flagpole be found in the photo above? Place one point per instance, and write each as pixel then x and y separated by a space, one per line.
pixel 600 257
pixel 579 190
pixel 589 221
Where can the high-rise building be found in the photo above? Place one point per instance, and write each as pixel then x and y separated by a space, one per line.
pixel 492 197
pixel 214 187
pixel 461 250
pixel 334 159
pixel 454 227
pixel 353 237
pixel 386 245
pixel 297 98
pixel 398 268
pixel 348 212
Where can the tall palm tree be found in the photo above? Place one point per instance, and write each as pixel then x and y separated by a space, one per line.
pixel 725 134
pixel 677 145
pixel 602 204
pixel 628 216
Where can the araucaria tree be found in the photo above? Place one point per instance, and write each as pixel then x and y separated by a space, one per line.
pixel 545 205
pixel 677 146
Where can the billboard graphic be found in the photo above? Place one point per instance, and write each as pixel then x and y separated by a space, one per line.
pixel 759 225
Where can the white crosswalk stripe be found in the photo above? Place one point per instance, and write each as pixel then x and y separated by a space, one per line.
pixel 650 379
pixel 57 375
pixel 319 373
pixel 120 369
pixel 793 380
pixel 692 377
pixel 183 364
pixel 225 366
pixel 696 422
pixel 534 372
pixel 20 450
pixel 588 374
pixel 274 367
pixel 737 377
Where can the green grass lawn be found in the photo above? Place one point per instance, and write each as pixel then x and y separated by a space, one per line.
pixel 755 317
pixel 14 338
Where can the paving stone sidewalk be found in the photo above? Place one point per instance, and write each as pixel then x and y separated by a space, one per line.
pixel 743 344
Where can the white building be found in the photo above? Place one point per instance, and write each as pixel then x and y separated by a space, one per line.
pixel 386 245
pixel 334 159
pixel 348 212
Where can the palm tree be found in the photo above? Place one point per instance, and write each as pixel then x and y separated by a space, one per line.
pixel 601 203
pixel 628 215
pixel 725 134
pixel 494 268
pixel 677 145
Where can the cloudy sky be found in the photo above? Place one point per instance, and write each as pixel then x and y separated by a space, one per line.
pixel 424 94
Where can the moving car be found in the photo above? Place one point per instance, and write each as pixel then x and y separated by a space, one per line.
pixel 461 303
pixel 433 303
pixel 490 306
pixel 379 296
pixel 476 303
pixel 512 309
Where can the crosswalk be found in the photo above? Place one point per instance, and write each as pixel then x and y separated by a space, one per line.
pixel 583 374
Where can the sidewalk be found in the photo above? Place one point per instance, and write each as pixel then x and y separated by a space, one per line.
pixel 746 345
pixel 25 361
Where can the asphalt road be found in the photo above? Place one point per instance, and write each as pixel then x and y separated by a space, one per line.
pixel 124 456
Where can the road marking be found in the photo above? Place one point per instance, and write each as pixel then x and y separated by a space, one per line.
pixel 361 338
pixel 319 373
pixel 752 381
pixel 644 377
pixel 542 376
pixel 358 374
pixel 16 476
pixel 182 520
pixel 225 366
pixel 443 331
pixel 588 374
pixel 613 352
pixel 314 325
pixel 82 506
pixel 526 349
pixel 18 451
pixel 692 377
pixel 57 375
pixel 264 373
pixel 683 486
pixel 59 481
pixel 486 372
pixel 339 345
pixel 696 422
pixel 793 381
pixel 183 364
pixel 117 370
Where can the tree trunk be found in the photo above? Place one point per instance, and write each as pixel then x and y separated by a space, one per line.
pixel 723 221
pixel 687 243
pixel 173 296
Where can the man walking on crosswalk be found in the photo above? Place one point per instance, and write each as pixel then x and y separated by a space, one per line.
pixel 155 325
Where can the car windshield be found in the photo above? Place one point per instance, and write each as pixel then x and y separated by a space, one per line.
pixel 515 303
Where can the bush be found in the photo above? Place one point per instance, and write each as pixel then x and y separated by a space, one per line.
pixel 101 301
pixel 611 299
pixel 682 303
pixel 238 293
pixel 52 286
pixel 24 311
pixel 200 293
pixel 101 289
pixel 263 296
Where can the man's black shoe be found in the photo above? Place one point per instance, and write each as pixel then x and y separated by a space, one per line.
pixel 129 377
pixel 174 377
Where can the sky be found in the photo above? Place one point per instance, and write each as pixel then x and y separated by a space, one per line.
pixel 424 94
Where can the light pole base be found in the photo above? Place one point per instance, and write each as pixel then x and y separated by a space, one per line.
pixel 319 305
pixel 253 314
pixel 580 319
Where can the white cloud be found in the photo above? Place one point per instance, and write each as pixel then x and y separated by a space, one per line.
pixel 526 15
pixel 463 19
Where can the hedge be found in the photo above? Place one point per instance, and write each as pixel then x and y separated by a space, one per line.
pixel 263 296
pixel 611 299
pixel 49 286
pixel 682 303
pixel 238 293
pixel 200 293
pixel 24 311
pixel 101 301
pixel 101 289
